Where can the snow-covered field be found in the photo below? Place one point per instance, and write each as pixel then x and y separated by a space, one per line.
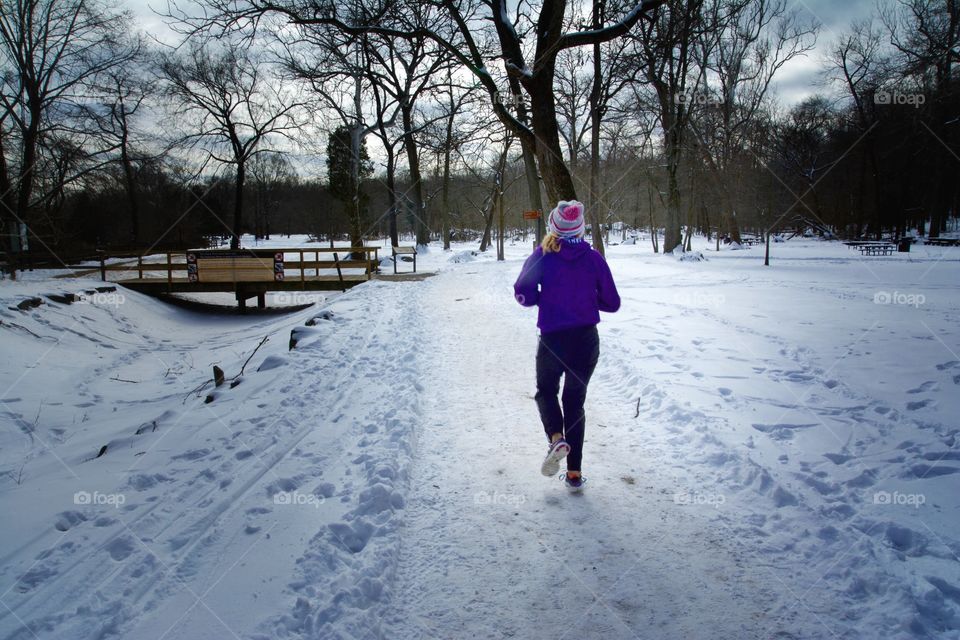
pixel 771 453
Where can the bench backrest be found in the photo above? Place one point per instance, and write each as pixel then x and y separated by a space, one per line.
pixel 234 266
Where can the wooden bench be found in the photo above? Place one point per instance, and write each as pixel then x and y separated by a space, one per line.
pixel 943 242
pixel 404 251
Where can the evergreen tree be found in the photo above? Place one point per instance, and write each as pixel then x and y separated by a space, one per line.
pixel 346 170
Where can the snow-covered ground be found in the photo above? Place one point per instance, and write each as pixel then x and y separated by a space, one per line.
pixel 770 451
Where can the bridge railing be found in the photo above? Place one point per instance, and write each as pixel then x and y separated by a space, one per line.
pixel 249 265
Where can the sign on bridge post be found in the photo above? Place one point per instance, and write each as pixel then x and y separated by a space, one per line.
pixel 534 215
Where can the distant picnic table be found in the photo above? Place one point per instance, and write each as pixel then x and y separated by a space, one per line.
pixel 872 247
pixel 943 242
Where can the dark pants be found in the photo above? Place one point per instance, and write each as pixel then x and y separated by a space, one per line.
pixel 572 353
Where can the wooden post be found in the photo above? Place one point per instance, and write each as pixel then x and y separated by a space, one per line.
pixel 103 267
pixel 169 273
pixel 336 261
pixel 302 270
pixel 140 267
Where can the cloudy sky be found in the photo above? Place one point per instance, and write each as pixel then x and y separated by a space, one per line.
pixel 796 81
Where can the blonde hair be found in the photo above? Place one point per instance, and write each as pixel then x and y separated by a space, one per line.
pixel 550 243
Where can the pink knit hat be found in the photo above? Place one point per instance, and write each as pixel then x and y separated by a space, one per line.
pixel 566 220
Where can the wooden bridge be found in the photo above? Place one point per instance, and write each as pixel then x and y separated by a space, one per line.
pixel 249 273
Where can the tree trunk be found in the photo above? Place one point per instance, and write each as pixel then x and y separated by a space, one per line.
pixel 132 194
pixel 488 222
pixel 556 176
pixel 238 206
pixel 445 196
pixel 416 185
pixel 593 211
pixel 498 180
pixel 500 218
pixel 672 236
pixel 392 197
pixel 653 225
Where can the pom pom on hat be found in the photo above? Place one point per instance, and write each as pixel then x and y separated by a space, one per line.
pixel 566 220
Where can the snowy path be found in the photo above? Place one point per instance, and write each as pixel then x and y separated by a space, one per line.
pixel 494 549
pixel 771 454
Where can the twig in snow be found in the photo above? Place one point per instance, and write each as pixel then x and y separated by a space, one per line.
pixel 199 389
pixel 19 477
pixel 638 408
pixel 265 338
pixel 122 380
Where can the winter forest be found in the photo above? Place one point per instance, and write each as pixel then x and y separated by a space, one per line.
pixel 454 319
pixel 444 120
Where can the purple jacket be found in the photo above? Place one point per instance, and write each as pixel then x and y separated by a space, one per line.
pixel 571 286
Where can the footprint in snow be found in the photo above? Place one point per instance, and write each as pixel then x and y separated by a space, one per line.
pixel 67 520
pixel 351 538
pixel 120 548
pixel 932 471
pixel 929 385
pixel 195 454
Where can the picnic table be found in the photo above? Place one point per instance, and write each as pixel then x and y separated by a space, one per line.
pixel 943 242
pixel 877 249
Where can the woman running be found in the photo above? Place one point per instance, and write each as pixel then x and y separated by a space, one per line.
pixel 570 283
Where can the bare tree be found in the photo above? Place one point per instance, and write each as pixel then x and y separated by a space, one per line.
pixel 124 91
pixel 462 31
pixel 50 51
pixel 752 41
pixel 664 49
pixel 271 173
pixel 859 60
pixel 926 36
pixel 231 108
